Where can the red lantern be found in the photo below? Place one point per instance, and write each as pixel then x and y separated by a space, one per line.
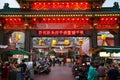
pixel 69 32
pixel 65 32
pixel 73 32
pixel 81 32
pixel 52 32
pixel 61 32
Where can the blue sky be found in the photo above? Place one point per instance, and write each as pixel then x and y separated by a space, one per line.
pixel 14 4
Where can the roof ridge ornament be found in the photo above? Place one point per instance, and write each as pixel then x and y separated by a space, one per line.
pixel 116 5
pixel 6 6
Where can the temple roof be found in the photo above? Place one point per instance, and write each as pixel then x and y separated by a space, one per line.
pixel 59 0
pixel 12 12
pixel 28 3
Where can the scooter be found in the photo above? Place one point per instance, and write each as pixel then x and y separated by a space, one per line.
pixel 78 75
pixel 44 68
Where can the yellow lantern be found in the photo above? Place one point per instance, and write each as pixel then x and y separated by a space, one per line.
pixel 103 37
pixel 66 42
pixel 80 42
pixel 18 36
pixel 41 42
pixel 54 42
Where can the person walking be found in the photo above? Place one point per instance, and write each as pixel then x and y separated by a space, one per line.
pixel 64 61
pixel 92 72
pixel 101 72
pixel 113 73
pixel 53 62
pixel 23 67
pixel 5 72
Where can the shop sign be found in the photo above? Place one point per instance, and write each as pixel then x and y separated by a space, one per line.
pixel 104 54
pixel 3 46
pixel 115 55
pixel 17 56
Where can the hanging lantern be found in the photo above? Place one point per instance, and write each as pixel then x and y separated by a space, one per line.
pixel 41 42
pixel 54 42
pixel 66 42
pixel 103 37
pixel 18 36
pixel 80 42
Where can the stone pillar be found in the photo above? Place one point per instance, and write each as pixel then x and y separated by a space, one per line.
pixel 117 37
pixel 93 37
pixel 93 40
pixel 1 34
pixel 27 40
pixel 5 39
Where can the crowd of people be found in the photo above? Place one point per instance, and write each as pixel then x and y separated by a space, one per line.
pixel 9 70
pixel 6 68
pixel 89 71
pixel 93 71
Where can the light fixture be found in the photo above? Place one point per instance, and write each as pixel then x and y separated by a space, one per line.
pixel 103 37
pixel 41 42
pixel 80 42
pixel 54 42
pixel 66 42
pixel 18 36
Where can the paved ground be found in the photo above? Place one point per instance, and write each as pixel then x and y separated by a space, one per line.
pixel 57 73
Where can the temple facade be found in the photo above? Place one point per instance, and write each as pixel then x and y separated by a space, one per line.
pixel 59 18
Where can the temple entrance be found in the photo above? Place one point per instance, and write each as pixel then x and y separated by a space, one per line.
pixel 64 50
pixel 60 28
pixel 63 47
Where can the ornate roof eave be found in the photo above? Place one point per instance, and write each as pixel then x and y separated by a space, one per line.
pixel 58 0
pixel 18 12
pixel 27 3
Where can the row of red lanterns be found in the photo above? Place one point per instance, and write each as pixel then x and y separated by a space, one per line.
pixel 44 19
pixel 106 21
pixel 109 18
pixel 13 21
pixel 60 3
pixel 61 20
pixel 61 32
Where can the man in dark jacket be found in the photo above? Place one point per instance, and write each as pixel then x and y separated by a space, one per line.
pixel 23 69
pixel 113 73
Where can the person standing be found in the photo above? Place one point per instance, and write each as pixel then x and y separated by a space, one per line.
pixel 101 72
pixel 5 72
pixel 53 62
pixel 92 72
pixel 113 73
pixel 30 70
pixel 23 67
pixel 64 61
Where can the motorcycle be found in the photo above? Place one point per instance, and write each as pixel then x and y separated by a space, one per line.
pixel 44 68
pixel 79 74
